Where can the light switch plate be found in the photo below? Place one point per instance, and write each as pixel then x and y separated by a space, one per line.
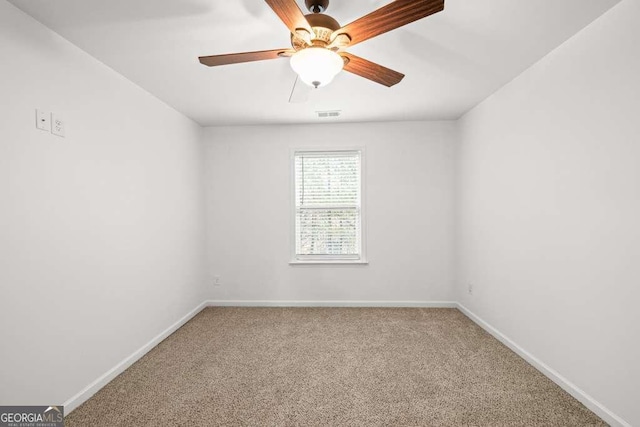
pixel 57 125
pixel 43 120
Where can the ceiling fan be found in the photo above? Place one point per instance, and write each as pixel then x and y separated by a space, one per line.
pixel 318 42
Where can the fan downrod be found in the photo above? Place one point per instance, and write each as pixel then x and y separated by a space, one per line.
pixel 317 6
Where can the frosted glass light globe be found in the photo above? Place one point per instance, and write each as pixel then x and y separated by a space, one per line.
pixel 316 66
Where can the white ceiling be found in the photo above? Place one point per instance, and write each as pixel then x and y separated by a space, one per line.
pixel 452 60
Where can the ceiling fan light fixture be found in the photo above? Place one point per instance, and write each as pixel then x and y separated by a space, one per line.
pixel 316 66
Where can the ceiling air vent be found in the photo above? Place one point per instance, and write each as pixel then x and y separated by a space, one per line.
pixel 328 114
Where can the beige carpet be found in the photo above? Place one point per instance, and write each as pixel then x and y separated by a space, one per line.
pixel 331 367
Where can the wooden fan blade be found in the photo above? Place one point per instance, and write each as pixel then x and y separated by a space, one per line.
pixel 236 58
pixel 389 17
pixel 290 14
pixel 371 70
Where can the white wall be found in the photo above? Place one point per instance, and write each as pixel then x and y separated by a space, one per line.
pixel 101 233
pixel 549 210
pixel 409 208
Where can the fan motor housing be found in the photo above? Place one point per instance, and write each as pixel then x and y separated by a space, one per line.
pixel 323 21
pixel 322 25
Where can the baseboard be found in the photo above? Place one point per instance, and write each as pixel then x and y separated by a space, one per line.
pixel 93 388
pixel 588 401
pixel 291 303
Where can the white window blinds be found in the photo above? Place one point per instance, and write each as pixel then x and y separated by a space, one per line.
pixel 327 205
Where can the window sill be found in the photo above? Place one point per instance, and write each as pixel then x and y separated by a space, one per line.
pixel 329 262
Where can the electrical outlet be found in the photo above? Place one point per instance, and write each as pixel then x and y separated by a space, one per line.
pixel 57 125
pixel 216 281
pixel 43 120
pixel 470 289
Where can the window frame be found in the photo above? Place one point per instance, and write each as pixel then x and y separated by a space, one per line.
pixel 327 259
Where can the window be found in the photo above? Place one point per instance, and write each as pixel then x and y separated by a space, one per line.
pixel 328 206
